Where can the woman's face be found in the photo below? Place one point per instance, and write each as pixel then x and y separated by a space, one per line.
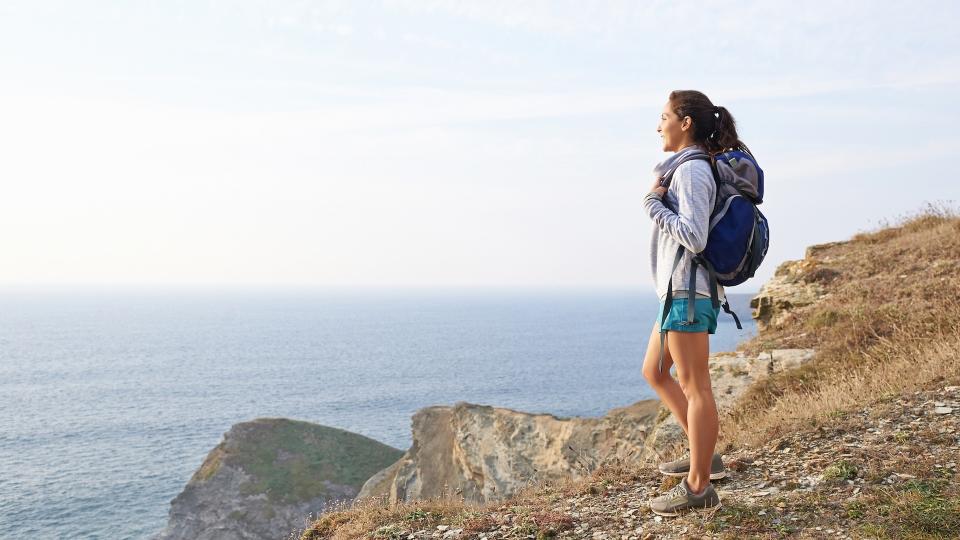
pixel 676 133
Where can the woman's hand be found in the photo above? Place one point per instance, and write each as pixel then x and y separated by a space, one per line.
pixel 658 188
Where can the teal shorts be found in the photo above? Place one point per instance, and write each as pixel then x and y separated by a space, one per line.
pixel 705 316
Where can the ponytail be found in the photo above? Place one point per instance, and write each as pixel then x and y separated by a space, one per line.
pixel 713 126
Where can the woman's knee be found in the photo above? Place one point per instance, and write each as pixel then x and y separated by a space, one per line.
pixel 694 386
pixel 653 375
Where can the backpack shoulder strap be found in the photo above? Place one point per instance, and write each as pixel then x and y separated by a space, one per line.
pixel 669 176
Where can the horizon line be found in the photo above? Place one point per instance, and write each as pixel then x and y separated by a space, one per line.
pixel 10 288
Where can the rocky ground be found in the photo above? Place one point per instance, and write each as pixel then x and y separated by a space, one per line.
pixel 888 470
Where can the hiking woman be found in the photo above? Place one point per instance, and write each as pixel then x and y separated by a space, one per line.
pixel 690 125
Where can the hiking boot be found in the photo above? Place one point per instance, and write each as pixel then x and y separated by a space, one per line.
pixel 680 499
pixel 681 467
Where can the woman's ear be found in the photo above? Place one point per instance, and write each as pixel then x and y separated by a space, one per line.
pixel 686 123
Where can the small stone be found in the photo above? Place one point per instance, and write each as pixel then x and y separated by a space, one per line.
pixel 442 528
pixel 658 519
pixel 943 410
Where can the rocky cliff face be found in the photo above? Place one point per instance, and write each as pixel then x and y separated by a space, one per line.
pixel 484 453
pixel 795 284
pixel 268 476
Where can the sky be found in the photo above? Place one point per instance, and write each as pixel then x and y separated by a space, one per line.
pixel 440 144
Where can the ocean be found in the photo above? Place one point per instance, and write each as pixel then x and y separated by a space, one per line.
pixel 109 401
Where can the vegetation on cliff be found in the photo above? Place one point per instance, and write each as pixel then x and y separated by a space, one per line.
pixel 863 441
pixel 268 474
pixel 285 457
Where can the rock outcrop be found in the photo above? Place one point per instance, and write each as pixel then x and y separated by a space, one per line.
pixel 794 284
pixel 268 475
pixel 483 453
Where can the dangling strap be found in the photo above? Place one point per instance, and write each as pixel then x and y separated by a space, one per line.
pixel 726 307
pixel 712 278
pixel 667 303
pixel 714 294
pixel 692 291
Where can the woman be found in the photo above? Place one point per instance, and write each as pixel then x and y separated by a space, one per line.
pixel 690 125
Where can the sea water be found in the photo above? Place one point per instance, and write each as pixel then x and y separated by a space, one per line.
pixel 109 401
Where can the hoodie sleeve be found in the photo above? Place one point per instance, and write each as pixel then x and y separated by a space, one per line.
pixel 695 189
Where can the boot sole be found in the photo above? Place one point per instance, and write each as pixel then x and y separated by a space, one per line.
pixel 713 476
pixel 693 509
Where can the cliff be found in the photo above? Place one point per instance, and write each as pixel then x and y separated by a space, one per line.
pixel 795 284
pixel 481 453
pixel 268 475
pixel 839 419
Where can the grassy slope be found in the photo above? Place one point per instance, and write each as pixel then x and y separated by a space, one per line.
pixel 286 457
pixel 890 322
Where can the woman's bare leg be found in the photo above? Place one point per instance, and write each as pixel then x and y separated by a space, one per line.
pixel 663 383
pixel 690 351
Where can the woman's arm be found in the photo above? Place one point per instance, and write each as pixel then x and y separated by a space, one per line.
pixel 695 191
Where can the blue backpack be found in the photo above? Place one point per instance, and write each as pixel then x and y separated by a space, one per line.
pixel 739 234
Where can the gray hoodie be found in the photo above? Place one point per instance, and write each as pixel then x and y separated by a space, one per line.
pixel 691 192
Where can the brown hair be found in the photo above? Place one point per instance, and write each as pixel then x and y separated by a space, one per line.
pixel 713 127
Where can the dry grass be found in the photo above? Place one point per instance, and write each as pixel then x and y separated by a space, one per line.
pixel 531 505
pixel 891 323
pixel 355 519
